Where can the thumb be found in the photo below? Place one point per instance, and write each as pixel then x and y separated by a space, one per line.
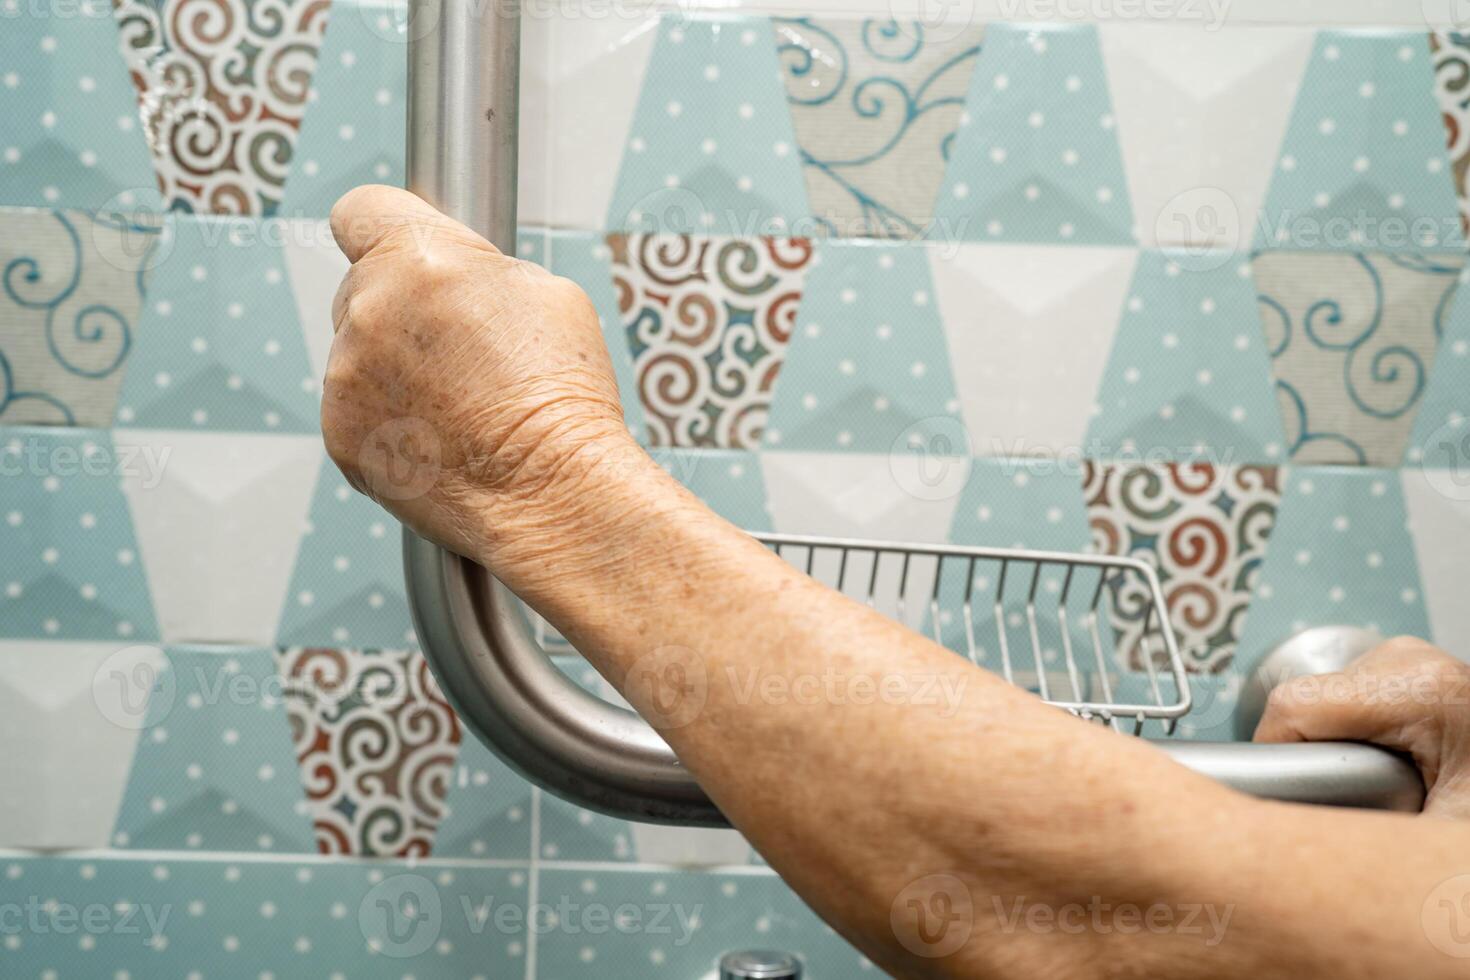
pixel 374 215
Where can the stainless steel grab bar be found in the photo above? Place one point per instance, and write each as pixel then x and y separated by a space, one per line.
pixel 462 132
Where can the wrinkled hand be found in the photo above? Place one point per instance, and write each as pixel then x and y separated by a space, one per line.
pixel 463 384
pixel 1404 695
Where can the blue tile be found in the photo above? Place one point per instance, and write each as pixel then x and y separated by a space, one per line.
pixel 354 130
pixel 347 586
pixel 72 132
pixel 214 768
pixel 487 813
pixel 219 345
pixel 72 567
pixel 868 365
pixel 711 149
pixel 1363 163
pixel 1189 375
pixel 1036 158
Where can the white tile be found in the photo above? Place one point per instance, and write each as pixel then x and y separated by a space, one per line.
pixel 1201 116
pixel 315 266
pixel 1029 329
pixel 70 716
pixel 219 532
pixel 580 79
pixel 1438 503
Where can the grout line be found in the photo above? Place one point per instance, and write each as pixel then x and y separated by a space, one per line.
pixel 533 888
pixel 276 857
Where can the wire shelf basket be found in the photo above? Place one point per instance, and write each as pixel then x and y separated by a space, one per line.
pixel 1042 620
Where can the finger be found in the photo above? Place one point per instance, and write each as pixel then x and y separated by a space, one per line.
pixel 1326 708
pixel 372 215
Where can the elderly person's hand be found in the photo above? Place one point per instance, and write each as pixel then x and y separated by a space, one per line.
pixel 462 384
pixel 1404 695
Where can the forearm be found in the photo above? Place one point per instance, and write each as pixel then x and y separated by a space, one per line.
pixel 852 798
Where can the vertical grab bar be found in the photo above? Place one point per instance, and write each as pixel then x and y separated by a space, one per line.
pixel 464 61
pixel 463 118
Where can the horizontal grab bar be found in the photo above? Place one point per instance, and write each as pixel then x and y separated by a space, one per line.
pixel 606 758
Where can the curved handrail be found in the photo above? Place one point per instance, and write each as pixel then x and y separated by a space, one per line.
pixel 462 143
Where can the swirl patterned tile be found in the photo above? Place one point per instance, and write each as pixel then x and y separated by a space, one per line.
pixel 875 104
pixel 1340 553
pixel 711 149
pixel 868 365
pixel 222 85
pixel 1036 157
pixel 1189 374
pixel 376 744
pixel 241 919
pixel 707 323
pixel 354 129
pixel 70 309
pixel 220 348
pixel 71 567
pixel 214 767
pixel 1352 337
pixel 347 585
pixel 687 922
pixel 1451 55
pixel 71 123
pixel 1205 529
pixel 1363 164
pixel 69 736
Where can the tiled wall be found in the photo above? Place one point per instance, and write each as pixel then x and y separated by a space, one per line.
pixel 1159 289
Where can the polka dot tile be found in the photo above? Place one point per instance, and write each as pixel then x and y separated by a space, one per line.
pixel 686 923
pixel 868 369
pixel 1341 552
pixel 1442 411
pixel 214 769
pixel 69 312
pixel 487 808
pixel 347 586
pixel 1363 164
pixel 243 919
pixel 1021 504
pixel 72 135
pixel 1189 375
pixel 1038 159
pixel 711 149
pixel 72 569
pixel 353 131
pixel 219 346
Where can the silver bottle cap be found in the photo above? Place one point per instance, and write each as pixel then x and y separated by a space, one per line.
pixel 759 964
